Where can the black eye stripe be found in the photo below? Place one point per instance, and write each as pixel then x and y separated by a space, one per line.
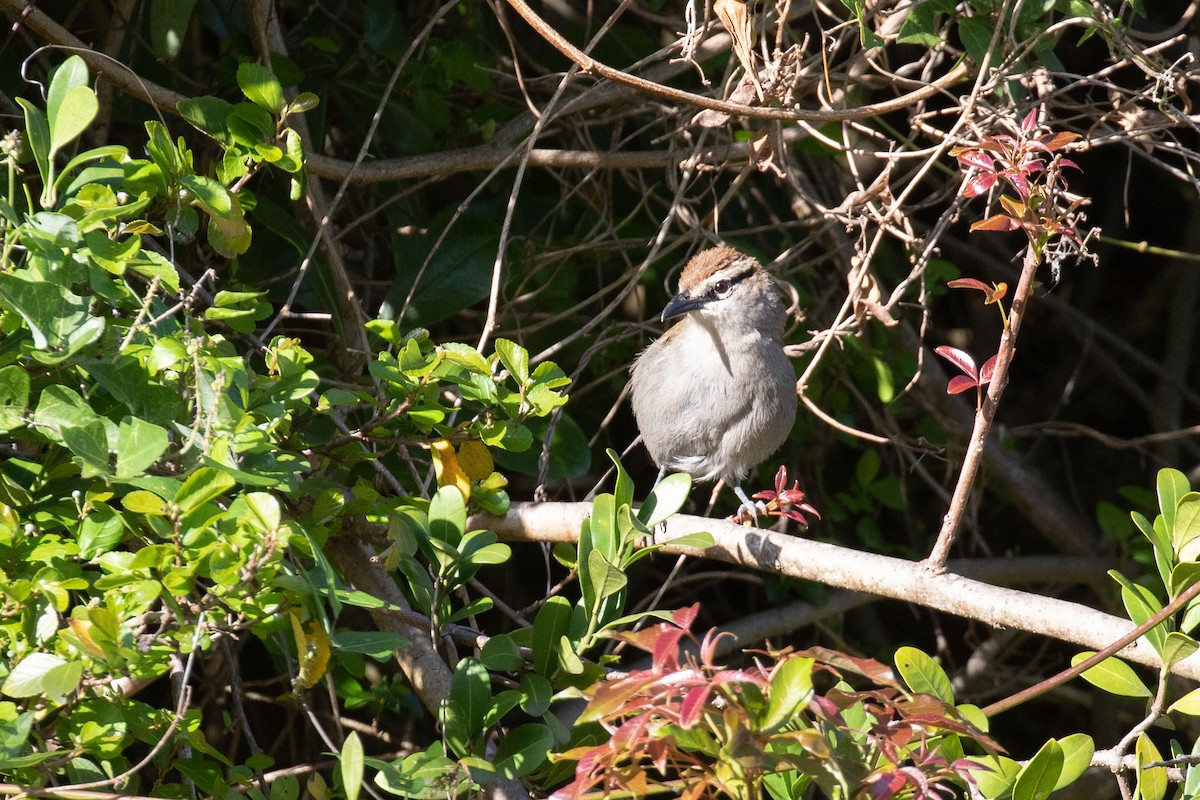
pixel 731 281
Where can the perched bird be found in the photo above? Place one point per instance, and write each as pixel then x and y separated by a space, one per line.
pixel 716 395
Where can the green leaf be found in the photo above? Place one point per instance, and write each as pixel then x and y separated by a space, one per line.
pixel 304 102
pixel 920 27
pixel 58 319
pixel 458 274
pixel 90 443
pixel 701 540
pixel 260 86
pixel 923 675
pixel 168 26
pixel 665 499
pixel 215 197
pixel 501 654
pixel 1187 521
pixel 207 114
pixel 37 131
pixel 203 485
pixel 523 750
pixel 1183 576
pixel 549 625
pixel 1172 485
pixel 71 74
pixel 502 704
pixel 570 454
pixel 1039 777
pixel 350 764
pixel 791 686
pixel 265 511
pixel 608 579
pixel 99 532
pixel 868 37
pixel 602 526
pixel 536 694
pixel 1188 704
pixel 448 516
pixel 515 359
pixel 424 775
pixel 78 109
pixel 143 502
pixel 1077 750
pixel 229 234
pixel 1141 604
pixel 1113 676
pixel 139 445
pixel 285 787
pixel 464 710
pixel 14 397
pixel 59 408
pixel 1152 782
pixel 70 104
pixel 1177 647
pixel 1191 782
pixel 41 674
pixel 998 775
pixel 379 645
pixel 623 485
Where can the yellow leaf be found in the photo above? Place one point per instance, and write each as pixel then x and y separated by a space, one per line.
pixel 446 468
pixel 475 459
pixel 1151 781
pixel 312 648
pixel 82 629
pixel 1188 704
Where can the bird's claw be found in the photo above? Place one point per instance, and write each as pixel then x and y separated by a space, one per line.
pixel 782 502
pixel 748 514
pixel 749 511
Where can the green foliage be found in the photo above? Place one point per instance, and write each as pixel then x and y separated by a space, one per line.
pixel 1174 536
pixel 170 477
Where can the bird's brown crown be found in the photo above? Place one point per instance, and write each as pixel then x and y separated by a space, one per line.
pixel 705 263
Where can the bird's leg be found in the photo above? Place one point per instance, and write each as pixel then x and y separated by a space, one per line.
pixel 749 506
pixel 662 471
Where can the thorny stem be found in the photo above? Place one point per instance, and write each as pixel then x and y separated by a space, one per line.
pixel 936 561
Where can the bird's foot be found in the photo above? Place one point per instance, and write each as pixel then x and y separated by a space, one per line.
pixel 784 501
pixel 749 511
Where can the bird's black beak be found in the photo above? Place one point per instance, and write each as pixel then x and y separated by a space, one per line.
pixel 681 304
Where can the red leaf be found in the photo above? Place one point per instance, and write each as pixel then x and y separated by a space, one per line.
pixel 969 283
pixel 978 159
pixel 959 384
pixel 958 358
pixel 693 705
pixel 1018 182
pixel 665 654
pixel 1057 141
pixel 978 184
pixel 1029 124
pixel 989 366
pixel 996 222
pixel 684 617
pixel 995 144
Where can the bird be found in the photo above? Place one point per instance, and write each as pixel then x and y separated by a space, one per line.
pixel 716 395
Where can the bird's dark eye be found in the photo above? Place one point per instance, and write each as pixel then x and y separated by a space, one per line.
pixel 722 288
